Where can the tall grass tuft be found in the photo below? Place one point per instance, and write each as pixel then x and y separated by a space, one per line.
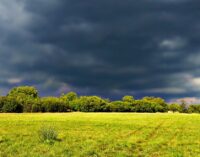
pixel 48 134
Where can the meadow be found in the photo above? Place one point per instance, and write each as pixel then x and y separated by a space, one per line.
pixel 101 135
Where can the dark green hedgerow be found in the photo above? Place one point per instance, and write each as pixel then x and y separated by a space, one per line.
pixel 26 99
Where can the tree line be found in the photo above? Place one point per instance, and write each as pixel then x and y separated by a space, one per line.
pixel 26 99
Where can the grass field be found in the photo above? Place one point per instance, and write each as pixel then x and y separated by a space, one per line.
pixel 101 134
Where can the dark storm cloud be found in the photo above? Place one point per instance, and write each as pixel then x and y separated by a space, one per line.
pixel 107 47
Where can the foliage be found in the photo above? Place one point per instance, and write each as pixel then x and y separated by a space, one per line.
pixel 24 91
pixel 26 96
pixel 156 100
pixel 69 96
pixel 128 98
pixel 9 104
pixel 36 105
pixel 194 109
pixel 175 108
pixel 89 104
pixel 52 104
pixel 119 106
pixel 26 99
pixel 146 106
pixel 1 103
pixel 184 107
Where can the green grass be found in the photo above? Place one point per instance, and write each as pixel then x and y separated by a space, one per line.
pixel 101 134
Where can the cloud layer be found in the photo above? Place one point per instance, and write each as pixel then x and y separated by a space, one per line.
pixel 109 48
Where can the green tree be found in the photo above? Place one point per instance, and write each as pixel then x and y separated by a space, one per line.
pixel 52 104
pixel 24 91
pixel 69 96
pixel 24 95
pixel 89 104
pixel 128 98
pixel 2 101
pixel 183 106
pixel 194 109
pixel 11 105
pixel 119 106
pixel 158 101
pixel 175 107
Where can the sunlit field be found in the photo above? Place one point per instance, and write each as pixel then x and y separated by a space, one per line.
pixel 101 134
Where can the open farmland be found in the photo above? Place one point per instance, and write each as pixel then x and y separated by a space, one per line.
pixel 101 134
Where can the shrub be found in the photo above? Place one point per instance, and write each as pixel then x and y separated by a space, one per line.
pixel 11 105
pixel 119 106
pixel 48 134
pixel 69 96
pixel 36 107
pixel 24 95
pixel 1 103
pixel 174 108
pixel 184 106
pixel 162 105
pixel 146 106
pixel 89 104
pixel 194 109
pixel 53 104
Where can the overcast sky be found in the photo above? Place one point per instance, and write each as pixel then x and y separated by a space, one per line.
pixel 101 47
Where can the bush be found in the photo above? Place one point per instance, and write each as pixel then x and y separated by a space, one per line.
pixel 89 104
pixel 2 101
pixel 26 99
pixel 160 103
pixel 174 108
pixel 36 107
pixel 10 104
pixel 53 104
pixel 194 109
pixel 119 106
pixel 24 95
pixel 27 103
pixel 48 135
pixel 146 106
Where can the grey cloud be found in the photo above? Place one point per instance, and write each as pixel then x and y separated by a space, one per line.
pixel 101 47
